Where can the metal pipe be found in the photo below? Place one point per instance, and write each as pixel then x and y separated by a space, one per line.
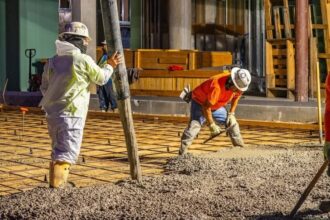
pixel 301 27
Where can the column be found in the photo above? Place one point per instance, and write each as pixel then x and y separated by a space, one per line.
pixel 180 24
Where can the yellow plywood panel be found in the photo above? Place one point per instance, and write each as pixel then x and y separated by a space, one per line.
pixel 270 76
pixel 290 65
pixel 182 82
pixel 129 58
pixel 173 60
pixel 155 84
pixel 210 59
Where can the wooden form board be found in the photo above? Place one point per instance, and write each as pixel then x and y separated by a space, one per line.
pixel 169 83
pixel 151 59
pixel 156 79
pixel 162 59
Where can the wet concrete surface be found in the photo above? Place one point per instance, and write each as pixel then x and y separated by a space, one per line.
pixel 250 183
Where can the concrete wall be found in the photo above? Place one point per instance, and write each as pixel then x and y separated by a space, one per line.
pixel 2 42
pixel 85 12
pixel 38 26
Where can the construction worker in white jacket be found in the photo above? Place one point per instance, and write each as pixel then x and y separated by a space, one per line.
pixel 65 89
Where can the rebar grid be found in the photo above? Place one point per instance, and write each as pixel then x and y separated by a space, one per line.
pixel 24 161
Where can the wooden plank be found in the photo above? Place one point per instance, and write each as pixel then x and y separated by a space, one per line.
pixel 173 60
pixel 211 59
pixel 155 84
pixel 179 74
pixel 280 71
pixel 280 83
pixel 193 82
pixel 320 26
pixel 137 59
pixel 157 66
pixel 129 58
pixel 279 52
pixel 290 65
pixel 313 67
pixel 282 41
pixel 268 19
pixel 270 76
pixel 324 56
pixel 281 62
pixel 195 60
pixel 287 21
pixel 277 22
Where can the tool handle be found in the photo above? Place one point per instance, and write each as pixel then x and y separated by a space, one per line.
pixel 309 188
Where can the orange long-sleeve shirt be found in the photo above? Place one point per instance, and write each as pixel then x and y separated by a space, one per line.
pixel 327 109
pixel 215 92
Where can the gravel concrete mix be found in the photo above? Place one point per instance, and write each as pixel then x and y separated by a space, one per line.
pixel 238 183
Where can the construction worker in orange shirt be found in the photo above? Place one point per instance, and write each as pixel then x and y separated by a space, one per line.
pixel 208 103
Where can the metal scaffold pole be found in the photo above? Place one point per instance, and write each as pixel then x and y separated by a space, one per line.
pixel 111 27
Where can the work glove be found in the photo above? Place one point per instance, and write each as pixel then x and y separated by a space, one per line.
pixel 231 120
pixel 214 129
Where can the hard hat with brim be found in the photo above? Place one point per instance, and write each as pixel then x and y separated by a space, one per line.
pixel 241 78
pixel 77 29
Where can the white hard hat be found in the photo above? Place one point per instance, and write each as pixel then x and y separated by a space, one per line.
pixel 241 78
pixel 76 28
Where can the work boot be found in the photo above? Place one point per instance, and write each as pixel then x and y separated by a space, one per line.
pixel 235 136
pixel 58 174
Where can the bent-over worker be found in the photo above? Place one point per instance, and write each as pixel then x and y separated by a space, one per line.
pixel 208 106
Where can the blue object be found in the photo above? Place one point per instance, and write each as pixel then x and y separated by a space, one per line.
pixel 196 113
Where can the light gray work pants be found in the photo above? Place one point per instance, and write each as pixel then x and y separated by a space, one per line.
pixel 66 134
pixel 197 120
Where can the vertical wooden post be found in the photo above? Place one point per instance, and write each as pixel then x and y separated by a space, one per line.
pixel 301 50
pixel 319 108
pixel 287 22
pixel 268 19
pixel 113 38
pixel 290 77
pixel 270 75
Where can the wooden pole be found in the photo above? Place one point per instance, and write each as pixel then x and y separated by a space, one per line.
pixel 113 37
pixel 309 188
pixel 319 113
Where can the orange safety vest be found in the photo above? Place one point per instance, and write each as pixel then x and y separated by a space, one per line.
pixel 215 92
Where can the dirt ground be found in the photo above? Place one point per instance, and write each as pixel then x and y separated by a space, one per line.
pixel 261 182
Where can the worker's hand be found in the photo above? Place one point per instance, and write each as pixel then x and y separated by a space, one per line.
pixel 115 59
pixel 326 150
pixel 214 129
pixel 231 120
